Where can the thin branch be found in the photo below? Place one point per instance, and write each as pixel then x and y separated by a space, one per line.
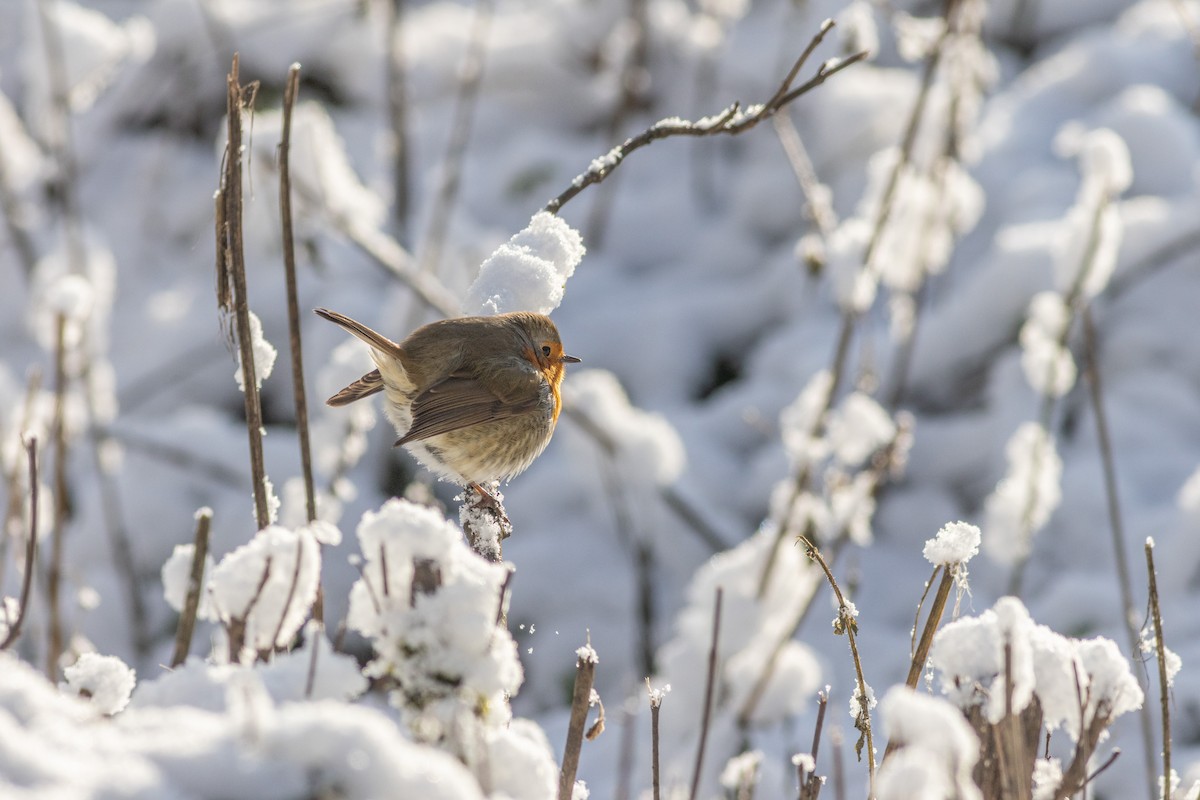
pixel 731 121
pixel 846 623
pixel 293 306
pixel 191 604
pixel 14 628
pixel 931 625
pixel 230 246
pixel 1160 651
pixel 1117 526
pixel 709 688
pixel 656 699
pixel 585 674
pixel 54 644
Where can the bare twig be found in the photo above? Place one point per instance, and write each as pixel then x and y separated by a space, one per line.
pixel 815 193
pixel 14 627
pixel 1117 526
pixel 293 306
pixel 931 625
pixel 656 699
pixel 731 121
pixel 810 784
pixel 848 624
pixel 191 604
pixel 316 632
pixel 709 688
pixel 54 644
pixel 230 249
pixel 465 102
pixel 1160 651
pixel 585 674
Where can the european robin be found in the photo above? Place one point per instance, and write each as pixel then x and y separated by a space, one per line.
pixel 475 399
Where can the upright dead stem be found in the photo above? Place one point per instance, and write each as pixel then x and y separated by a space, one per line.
pixel 230 251
pixel 585 674
pixel 293 306
pixel 14 626
pixel 710 682
pixel 847 623
pixel 1117 526
pixel 54 635
pixel 397 103
pixel 656 699
pixel 1164 694
pixel 191 603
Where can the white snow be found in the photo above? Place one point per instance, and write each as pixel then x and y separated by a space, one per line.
pixel 1054 168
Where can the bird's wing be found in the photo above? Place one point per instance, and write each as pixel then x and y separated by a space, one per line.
pixel 365 386
pixel 461 401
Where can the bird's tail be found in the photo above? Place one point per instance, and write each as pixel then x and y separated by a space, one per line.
pixel 376 340
pixel 365 386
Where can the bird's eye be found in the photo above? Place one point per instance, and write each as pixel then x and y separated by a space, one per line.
pixel 546 350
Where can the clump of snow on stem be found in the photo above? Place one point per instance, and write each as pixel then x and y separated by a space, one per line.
pixel 1023 501
pixel 430 607
pixel 1046 360
pixel 955 543
pixel 263 353
pixel 645 447
pixel 857 428
pixel 528 272
pixel 268 584
pixel 740 775
pixel 970 655
pixel 105 682
pixel 937 750
pixel 1086 252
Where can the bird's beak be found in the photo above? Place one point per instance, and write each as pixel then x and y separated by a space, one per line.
pixel 571 359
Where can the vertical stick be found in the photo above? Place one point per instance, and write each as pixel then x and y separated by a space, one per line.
pixel 1160 651
pixel 293 306
pixel 232 248
pixel 1117 526
pixel 54 644
pixel 585 674
pixel 191 603
pixel 14 630
pixel 655 708
pixel 709 686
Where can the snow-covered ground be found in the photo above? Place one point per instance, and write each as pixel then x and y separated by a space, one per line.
pixel 1055 167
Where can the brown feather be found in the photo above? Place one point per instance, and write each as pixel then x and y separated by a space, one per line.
pixel 374 339
pixel 365 386
pixel 459 402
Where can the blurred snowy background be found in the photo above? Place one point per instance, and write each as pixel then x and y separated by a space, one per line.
pixel 1056 156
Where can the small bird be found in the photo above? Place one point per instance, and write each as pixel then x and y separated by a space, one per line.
pixel 475 399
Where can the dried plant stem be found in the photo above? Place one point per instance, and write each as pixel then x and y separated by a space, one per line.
pixel 931 624
pixel 1117 526
pixel 1164 695
pixel 231 256
pixel 655 707
pixel 731 121
pixel 293 306
pixel 810 784
pixel 849 625
pixel 191 603
pixel 465 102
pixel 14 627
pixel 585 674
pixel 316 632
pixel 397 102
pixel 710 682
pixel 54 638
